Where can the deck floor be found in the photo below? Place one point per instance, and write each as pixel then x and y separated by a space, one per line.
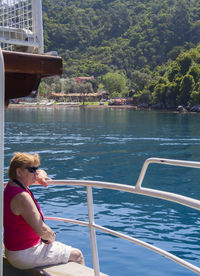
pixel 69 269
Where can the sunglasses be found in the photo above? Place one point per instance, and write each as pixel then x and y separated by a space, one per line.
pixel 32 169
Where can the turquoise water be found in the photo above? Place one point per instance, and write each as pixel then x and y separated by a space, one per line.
pixel 111 145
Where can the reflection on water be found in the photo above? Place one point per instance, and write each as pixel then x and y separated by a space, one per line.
pixel 111 145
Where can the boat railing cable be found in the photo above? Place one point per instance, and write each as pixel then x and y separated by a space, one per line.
pixel 138 189
pixel 2 86
pixel 172 162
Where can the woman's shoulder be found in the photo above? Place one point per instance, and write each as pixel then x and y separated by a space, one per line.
pixel 11 190
pixel 20 202
pixel 11 186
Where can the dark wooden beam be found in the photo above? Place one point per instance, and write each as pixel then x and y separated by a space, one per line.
pixel 23 72
pixel 44 65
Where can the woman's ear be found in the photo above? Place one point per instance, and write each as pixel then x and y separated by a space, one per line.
pixel 18 172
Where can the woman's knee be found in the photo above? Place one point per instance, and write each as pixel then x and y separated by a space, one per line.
pixel 76 256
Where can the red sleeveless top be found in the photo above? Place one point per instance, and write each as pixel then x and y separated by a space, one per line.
pixel 18 234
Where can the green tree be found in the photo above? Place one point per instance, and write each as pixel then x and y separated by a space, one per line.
pixel 186 87
pixel 184 62
pixel 195 98
pixel 171 94
pixel 173 71
pixel 143 97
pixel 140 80
pixel 42 89
pixel 180 21
pixel 159 94
pixel 84 89
pixel 195 72
pixel 115 83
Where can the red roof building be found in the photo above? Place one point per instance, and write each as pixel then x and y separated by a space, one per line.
pixel 82 79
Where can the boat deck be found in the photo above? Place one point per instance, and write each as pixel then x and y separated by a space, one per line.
pixel 69 269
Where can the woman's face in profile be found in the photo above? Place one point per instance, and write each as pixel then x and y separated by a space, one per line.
pixel 28 174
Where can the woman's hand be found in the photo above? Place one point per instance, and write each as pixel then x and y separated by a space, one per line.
pixel 51 236
pixel 42 178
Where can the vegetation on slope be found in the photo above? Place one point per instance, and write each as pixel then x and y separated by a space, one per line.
pixel 139 40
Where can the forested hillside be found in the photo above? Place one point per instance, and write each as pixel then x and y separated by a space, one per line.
pixel 136 38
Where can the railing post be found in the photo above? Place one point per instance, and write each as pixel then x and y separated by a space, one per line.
pixel 142 174
pixel 38 24
pixel 2 88
pixel 92 232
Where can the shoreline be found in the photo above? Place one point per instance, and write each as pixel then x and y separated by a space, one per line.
pixel 65 105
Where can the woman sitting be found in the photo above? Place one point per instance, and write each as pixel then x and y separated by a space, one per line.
pixel 29 242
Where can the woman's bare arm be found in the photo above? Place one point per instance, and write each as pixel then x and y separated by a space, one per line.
pixel 22 204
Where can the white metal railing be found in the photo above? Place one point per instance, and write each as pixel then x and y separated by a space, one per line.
pixel 138 189
pixel 21 27
pixel 2 84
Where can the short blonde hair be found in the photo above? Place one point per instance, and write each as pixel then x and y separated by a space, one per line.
pixel 22 160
